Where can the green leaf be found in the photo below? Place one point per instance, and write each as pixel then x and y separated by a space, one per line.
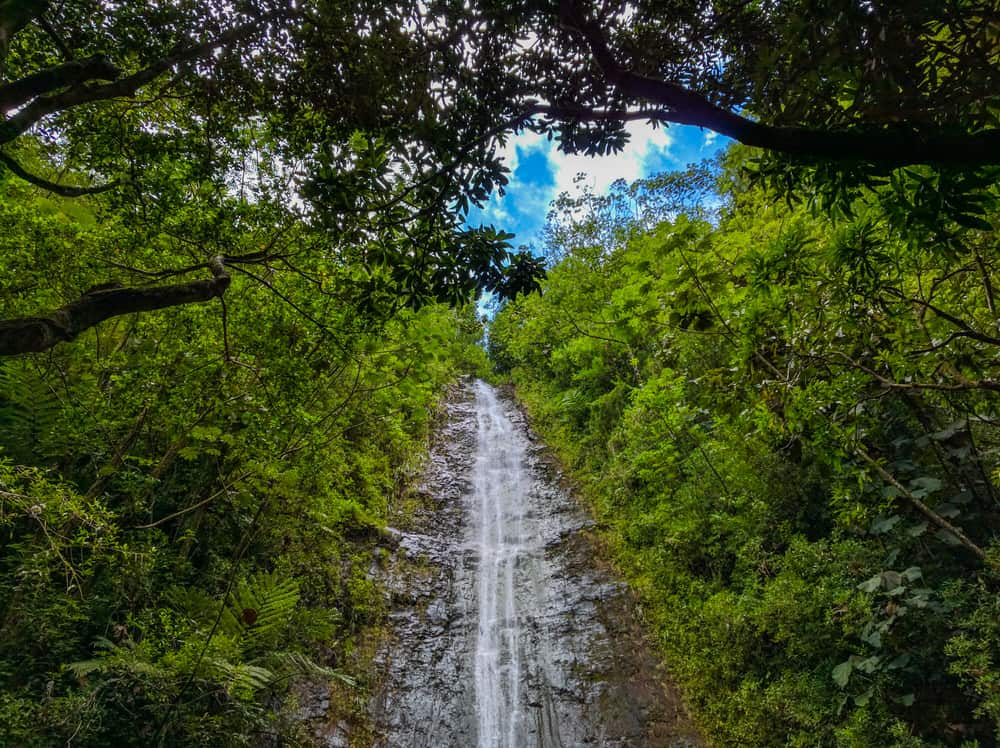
pixel 870 585
pixel 885 524
pixel 948 510
pixel 868 665
pixel 863 698
pixel 891 579
pixel 926 485
pixel 899 661
pixel 842 673
pixel 970 221
pixel 947 537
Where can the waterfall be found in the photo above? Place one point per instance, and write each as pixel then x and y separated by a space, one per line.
pixel 506 631
pixel 501 485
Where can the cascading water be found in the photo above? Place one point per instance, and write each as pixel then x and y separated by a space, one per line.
pixel 506 634
pixel 501 486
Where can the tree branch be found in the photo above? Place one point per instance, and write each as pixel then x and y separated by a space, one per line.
pixel 72 73
pixel 34 334
pixel 933 516
pixel 992 385
pixel 967 331
pixel 83 93
pixel 683 106
pixel 119 456
pixel 569 111
pixel 58 189
pixel 14 16
pixel 55 37
pixel 197 505
pixel 987 285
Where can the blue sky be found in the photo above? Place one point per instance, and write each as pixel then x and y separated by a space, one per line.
pixel 539 172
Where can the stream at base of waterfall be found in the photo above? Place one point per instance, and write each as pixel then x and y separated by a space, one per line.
pixel 506 630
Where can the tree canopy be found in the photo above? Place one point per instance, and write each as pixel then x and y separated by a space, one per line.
pixel 337 119
pixel 884 83
pixel 377 124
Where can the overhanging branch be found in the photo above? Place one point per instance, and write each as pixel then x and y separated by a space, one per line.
pixel 16 93
pixel 85 93
pixel 683 106
pixel 35 334
pixel 58 189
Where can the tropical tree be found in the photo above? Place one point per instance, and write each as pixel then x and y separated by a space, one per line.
pixel 345 119
pixel 881 82
pixel 378 123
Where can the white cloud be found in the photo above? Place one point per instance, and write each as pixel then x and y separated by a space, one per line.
pixel 524 208
pixel 644 145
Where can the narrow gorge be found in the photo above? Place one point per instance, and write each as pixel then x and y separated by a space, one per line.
pixel 507 631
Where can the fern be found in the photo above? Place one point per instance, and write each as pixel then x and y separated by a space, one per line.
pixel 192 602
pixel 30 415
pixel 300 664
pixel 116 657
pixel 257 610
pixel 244 655
pixel 239 678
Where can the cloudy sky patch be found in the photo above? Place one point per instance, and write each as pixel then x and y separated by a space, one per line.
pixel 540 172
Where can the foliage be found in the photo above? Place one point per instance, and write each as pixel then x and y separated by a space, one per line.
pixel 191 499
pixel 189 496
pixel 194 122
pixel 786 422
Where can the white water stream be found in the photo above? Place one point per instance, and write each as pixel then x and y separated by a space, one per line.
pixel 501 485
pixel 506 633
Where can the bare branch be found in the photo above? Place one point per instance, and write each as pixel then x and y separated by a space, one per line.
pixel 72 73
pixel 197 505
pixel 992 385
pixel 987 284
pixel 600 115
pixel 933 516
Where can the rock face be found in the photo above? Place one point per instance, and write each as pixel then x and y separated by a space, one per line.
pixel 506 631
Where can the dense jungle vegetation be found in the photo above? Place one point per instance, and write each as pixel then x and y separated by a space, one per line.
pixel 190 503
pixel 786 423
pixel 237 275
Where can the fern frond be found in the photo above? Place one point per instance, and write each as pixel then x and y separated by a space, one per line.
pixel 192 602
pixel 30 414
pixel 300 664
pixel 84 668
pixel 258 608
pixel 239 678
pixel 115 657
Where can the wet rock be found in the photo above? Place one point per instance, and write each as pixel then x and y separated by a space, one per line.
pixel 339 737
pixel 506 632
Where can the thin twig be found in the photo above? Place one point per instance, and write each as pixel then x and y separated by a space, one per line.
pixel 191 508
pixel 933 516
